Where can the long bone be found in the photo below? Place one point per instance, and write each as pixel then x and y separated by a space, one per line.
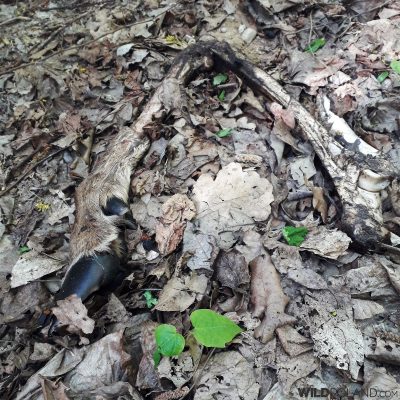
pixel 352 171
pixel 101 199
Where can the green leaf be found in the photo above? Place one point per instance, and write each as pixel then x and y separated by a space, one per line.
pixel 294 236
pixel 212 329
pixel 224 132
pixel 382 76
pixel 156 358
pixel 395 65
pixel 169 341
pixel 151 301
pixel 221 96
pixel 315 45
pixel 220 78
pixel 23 249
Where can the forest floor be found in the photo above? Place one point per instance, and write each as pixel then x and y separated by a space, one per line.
pixel 229 171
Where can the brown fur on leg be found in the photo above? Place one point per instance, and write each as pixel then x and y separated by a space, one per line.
pixel 93 231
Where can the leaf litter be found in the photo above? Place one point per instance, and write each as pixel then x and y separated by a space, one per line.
pixel 225 173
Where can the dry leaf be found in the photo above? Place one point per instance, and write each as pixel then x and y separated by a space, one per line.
pixel 235 199
pixel 179 293
pixel 33 265
pixel 227 375
pixel 326 243
pixel 73 313
pixel 104 363
pixel 176 211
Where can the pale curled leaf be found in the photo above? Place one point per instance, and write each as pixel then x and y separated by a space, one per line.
pixel 176 211
pixel 230 373
pixel 33 265
pixel 73 313
pixel 326 243
pixel 235 198
pixel 105 363
pixel 180 292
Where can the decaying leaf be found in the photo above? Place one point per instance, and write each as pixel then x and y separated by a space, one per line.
pixel 33 265
pixel 232 270
pixel 326 243
pixel 180 292
pixel 110 361
pixel 370 278
pixel 147 375
pixel 59 365
pixel 364 309
pixel 73 313
pixel 292 342
pixel 290 369
pixel 268 298
pixel 227 375
pixel 236 198
pixel 340 345
pixel 177 210
pixel 200 249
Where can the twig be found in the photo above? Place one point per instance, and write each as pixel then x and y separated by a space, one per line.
pixel 77 46
pixel 14 20
pixel 30 169
pixel 56 32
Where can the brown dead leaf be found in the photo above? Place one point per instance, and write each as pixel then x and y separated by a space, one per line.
pixel 180 292
pixel 291 369
pixel 33 265
pixel 60 364
pixel 232 270
pixel 236 198
pixel 177 210
pixel 147 377
pixel 286 115
pixel 53 391
pixel 72 312
pixel 104 363
pixel 292 342
pixel 268 298
pixel 326 243
pixel 227 373
pixel 319 203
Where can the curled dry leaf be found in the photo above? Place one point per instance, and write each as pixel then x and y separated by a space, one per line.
pixel 319 203
pixel 341 345
pixel 72 312
pixel 370 278
pixel 227 375
pixel 236 198
pixel 60 364
pixel 200 249
pixel 364 309
pixel 180 292
pixel 176 211
pixel 385 351
pixel 292 342
pixel 326 243
pixel 290 369
pixel 268 298
pixel 33 265
pixel 147 375
pixel 104 364
pixel 232 270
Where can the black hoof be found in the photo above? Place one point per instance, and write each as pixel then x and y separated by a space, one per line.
pixel 88 275
pixel 115 206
